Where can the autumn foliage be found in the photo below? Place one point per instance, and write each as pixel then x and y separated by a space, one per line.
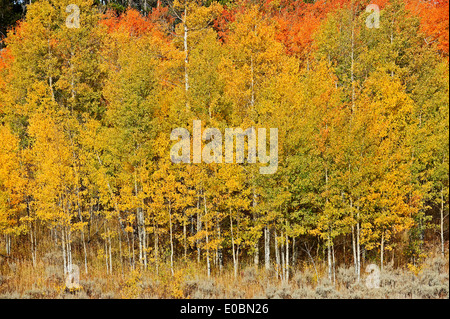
pixel 362 115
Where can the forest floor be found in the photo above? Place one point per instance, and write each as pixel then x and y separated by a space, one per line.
pixel 19 279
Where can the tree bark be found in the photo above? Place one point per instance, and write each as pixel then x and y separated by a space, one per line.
pixel 329 256
pixel 256 246
pixel 208 262
pixel 155 231
pixel 199 228
pixel 267 247
pixel 294 253
pixel 287 256
pixel 171 239
pixel 232 246
pixel 442 223
pixel 358 248
pixel 382 250
pixel 334 264
pixel 277 253
pixel 185 239
pixel 186 56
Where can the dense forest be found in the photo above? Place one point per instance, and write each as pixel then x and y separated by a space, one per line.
pixel 90 92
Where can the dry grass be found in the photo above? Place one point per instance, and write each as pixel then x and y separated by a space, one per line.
pixel 46 280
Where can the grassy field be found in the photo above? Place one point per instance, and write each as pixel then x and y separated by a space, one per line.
pixel 19 279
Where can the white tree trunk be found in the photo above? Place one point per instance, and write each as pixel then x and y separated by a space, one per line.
pixel 106 250
pixel 334 265
pixel 63 245
pixel 277 254
pixel 294 253
pixel 358 249
pixel 283 263
pixel 287 257
pixel 329 256
pixel 267 247
pixel 171 239
pixel 382 250
pixel 208 262
pixel 110 254
pixel 256 246
pixel 186 57
pixel 156 247
pixel 232 246
pixel 442 223
pixel 199 228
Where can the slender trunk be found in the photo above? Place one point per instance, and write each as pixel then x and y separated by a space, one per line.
pixel 82 231
pixel 355 260
pixel 139 225
pixel 69 248
pixel 185 239
pixel 256 246
pixel 32 238
pixel 129 251
pixel 63 245
pixel 442 223
pixel 294 253
pixel 106 250
pixel 199 228
pixel 328 234
pixel 237 245
pixel 334 265
pixel 132 251
pixel 329 256
pixel 7 249
pixel 156 247
pixel 232 246
pixel 352 76
pixel 171 239
pixel 287 256
pixel 50 78
pixel 144 235
pixel 358 248
pixel 382 250
pixel 256 255
pixel 344 248
pixel 110 254
pixel 186 57
pixel 277 254
pixel 208 262
pixel 283 260
pixel 69 253
pixel 85 253
pixel 35 242
pixel 219 249
pixel 120 245
pixel 32 245
pixel 267 247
